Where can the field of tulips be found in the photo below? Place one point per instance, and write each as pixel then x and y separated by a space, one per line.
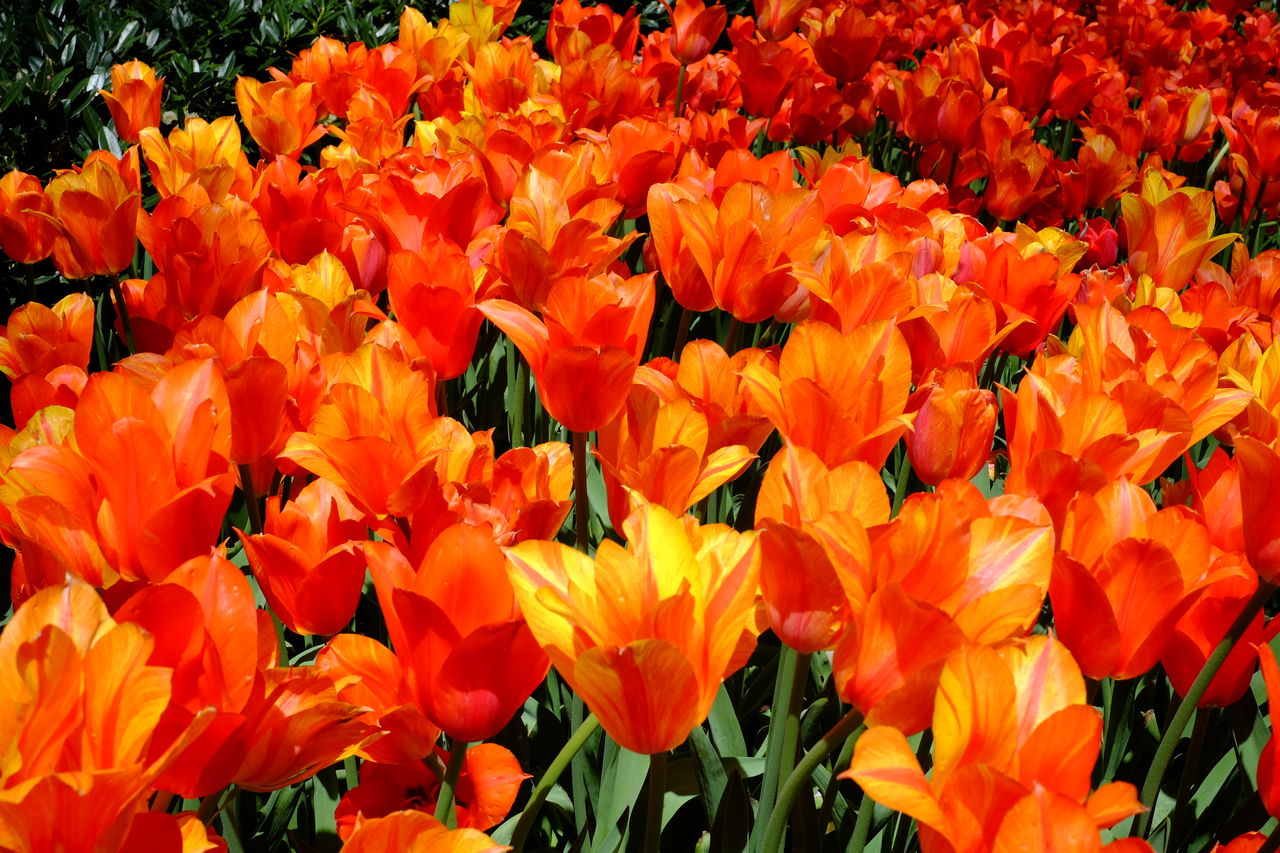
pixel 853 426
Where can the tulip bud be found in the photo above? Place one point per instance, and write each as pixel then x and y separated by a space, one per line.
pixel 954 428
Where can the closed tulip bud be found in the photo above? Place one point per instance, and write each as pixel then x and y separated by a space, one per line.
pixel 134 99
pixel 954 428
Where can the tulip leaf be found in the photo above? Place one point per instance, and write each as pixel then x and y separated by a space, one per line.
pixel 621 781
pixel 726 732
pixel 732 825
pixel 708 769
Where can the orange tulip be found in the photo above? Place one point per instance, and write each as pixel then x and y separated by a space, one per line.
pixel 1124 575
pixel 433 294
pixel 209 255
pixel 1203 626
pixel 82 738
pixel 777 19
pixel 1014 747
pixel 143 489
pixel 695 27
pixel 207 153
pixel 1259 475
pixel 739 254
pixel 558 228
pixel 134 99
pixel 39 339
pixel 843 397
pixel 954 427
pixel 950 566
pixel 815 570
pixel 486 789
pixel 1269 760
pixel 96 211
pixel 469 656
pixel 1169 232
pixel 369 675
pixel 280 116
pixel 25 235
pixel 584 350
pixel 372 429
pixel 307 559
pixel 709 376
pixel 656 451
pixel 647 634
pixel 415 832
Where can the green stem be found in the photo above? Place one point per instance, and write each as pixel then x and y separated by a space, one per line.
pixel 799 778
pixel 250 498
pixel 1272 844
pixel 581 500
pixel 1169 742
pixel 445 812
pixel 123 311
pixel 653 812
pixel 682 332
pixel 784 729
pixel 548 781
pixel 833 785
pixel 731 338
pixel 680 91
pixel 518 377
pixel 862 828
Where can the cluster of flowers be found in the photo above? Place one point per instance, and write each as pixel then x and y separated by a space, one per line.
pixel 295 341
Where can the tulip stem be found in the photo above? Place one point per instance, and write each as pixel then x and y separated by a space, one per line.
pixel 445 812
pixel 862 827
pixel 833 785
pixel 731 338
pixel 548 781
pixel 518 379
pixel 784 729
pixel 123 311
pixel 250 498
pixel 31 282
pixel 682 332
pixel 581 500
pixel 1169 742
pixel 799 778
pixel 680 91
pixel 653 811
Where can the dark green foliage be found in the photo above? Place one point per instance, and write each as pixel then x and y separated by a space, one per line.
pixel 54 58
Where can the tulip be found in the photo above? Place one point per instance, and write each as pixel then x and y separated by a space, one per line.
pixel 280 117
pixel 1014 747
pixel 1269 760
pixel 96 210
pixel 695 27
pixel 26 233
pixel 486 789
pixel 134 99
pixel 954 427
pixel 468 654
pixel 310 570
pixel 585 349
pixel 415 832
pixel 644 634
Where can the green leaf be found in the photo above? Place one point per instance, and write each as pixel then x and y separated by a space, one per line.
pixel 621 781
pixel 709 769
pixel 726 731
